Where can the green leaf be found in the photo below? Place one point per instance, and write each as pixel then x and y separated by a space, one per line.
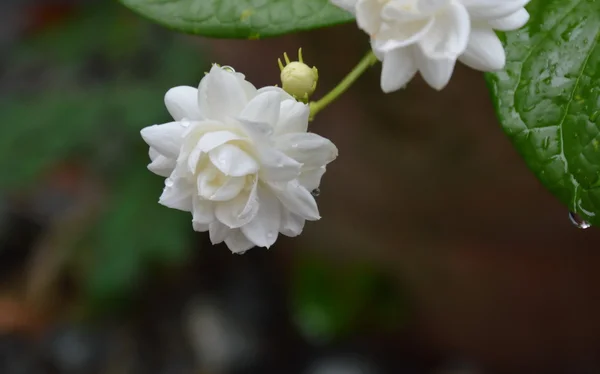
pixel 548 99
pixel 242 19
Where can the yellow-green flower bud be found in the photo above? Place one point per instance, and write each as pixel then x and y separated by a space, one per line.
pixel 297 78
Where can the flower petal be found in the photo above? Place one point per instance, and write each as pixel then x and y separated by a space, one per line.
pixel 449 34
pixel 485 51
pixel 214 139
pixel 160 164
pixel 398 69
pixel 237 242
pixel 511 22
pixel 200 227
pixel 291 224
pixel 233 161
pixel 368 15
pixel 203 211
pixel 263 108
pixel 166 139
pixel 218 232
pixel 436 72
pixel 309 149
pixel 493 9
pixel 264 228
pixel 297 199
pixel 240 210
pixel 259 132
pixel 293 117
pixel 213 187
pixel 283 95
pixel 276 166
pixel 177 194
pixel 182 102
pixel 311 178
pixel 221 95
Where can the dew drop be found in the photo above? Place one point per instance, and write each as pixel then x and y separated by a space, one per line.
pixel 295 145
pixel 316 192
pixel 169 182
pixel 546 143
pixel 270 235
pixel 579 222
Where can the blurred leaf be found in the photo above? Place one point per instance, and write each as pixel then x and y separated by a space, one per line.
pixel 240 19
pixel 135 232
pixel 84 90
pixel 329 300
pixel 547 99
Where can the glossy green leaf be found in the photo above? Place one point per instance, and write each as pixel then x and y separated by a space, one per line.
pixel 242 19
pixel 548 99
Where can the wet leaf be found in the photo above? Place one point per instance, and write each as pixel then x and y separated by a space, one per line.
pixel 548 99
pixel 243 19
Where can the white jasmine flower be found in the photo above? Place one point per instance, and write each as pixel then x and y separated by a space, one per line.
pixel 240 159
pixel 428 36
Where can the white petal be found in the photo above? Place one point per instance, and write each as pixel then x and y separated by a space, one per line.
pixel 200 227
pixel 263 108
pixel 264 228
pixel 297 199
pixel 309 149
pixel 348 5
pixel 368 15
pixel 449 34
pixel 213 139
pixel 160 164
pixel 291 224
pixel 177 194
pixel 436 72
pixel 182 102
pixel 389 39
pixel 311 178
pixel 398 69
pixel 166 138
pixel 293 117
pixel 203 211
pixel 221 95
pixel 239 211
pixel 513 21
pixel 276 166
pixel 257 131
pixel 237 242
pixel 282 94
pixel 216 188
pixel 484 52
pixel 233 161
pixel 218 232
pixel 493 9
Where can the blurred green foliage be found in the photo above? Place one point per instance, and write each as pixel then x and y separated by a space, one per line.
pixel 83 91
pixel 331 300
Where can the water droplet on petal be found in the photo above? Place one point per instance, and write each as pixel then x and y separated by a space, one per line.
pixel 228 68
pixel 579 222
pixel 184 122
pixel 316 192
pixel 270 235
pixel 169 182
pixel 295 145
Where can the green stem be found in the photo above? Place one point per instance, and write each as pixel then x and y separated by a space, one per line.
pixel 366 62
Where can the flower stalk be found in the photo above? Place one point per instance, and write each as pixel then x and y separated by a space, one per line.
pixel 367 61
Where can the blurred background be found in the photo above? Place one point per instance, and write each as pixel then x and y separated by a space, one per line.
pixel 438 251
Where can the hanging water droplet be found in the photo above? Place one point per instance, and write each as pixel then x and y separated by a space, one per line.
pixel 169 182
pixel 579 222
pixel 316 192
